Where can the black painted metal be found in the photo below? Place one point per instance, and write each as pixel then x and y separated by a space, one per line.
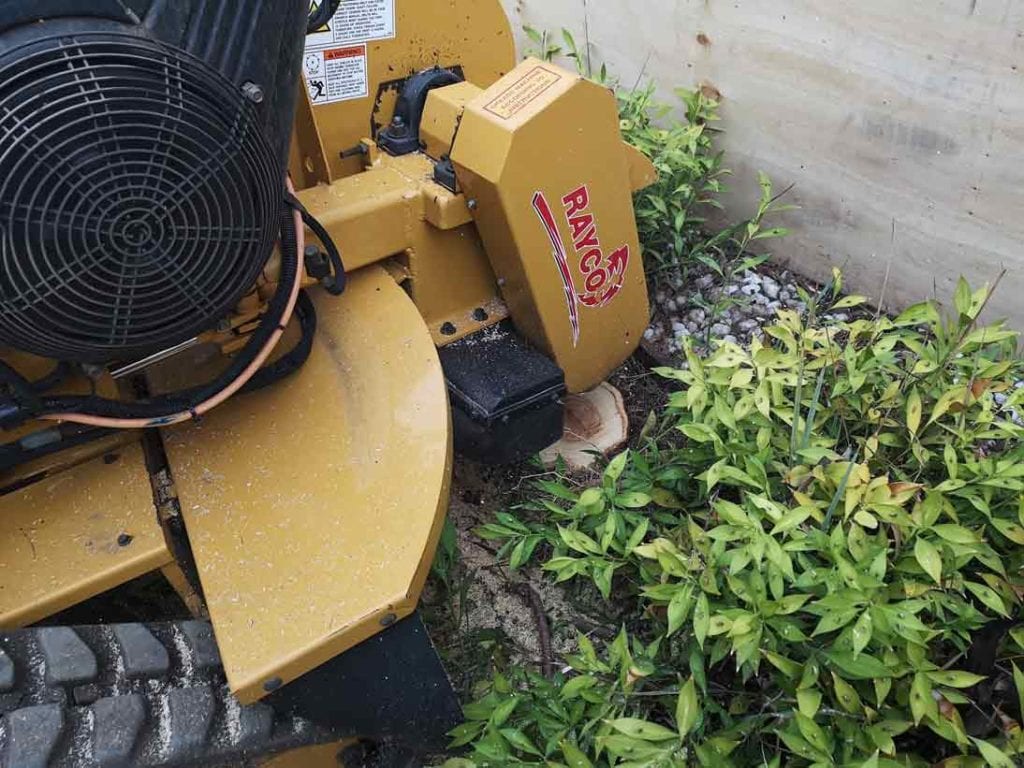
pixel 391 688
pixel 142 150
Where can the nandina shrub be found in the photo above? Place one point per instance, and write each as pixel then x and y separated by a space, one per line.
pixel 821 541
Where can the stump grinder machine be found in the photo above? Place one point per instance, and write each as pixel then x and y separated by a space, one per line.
pixel 264 266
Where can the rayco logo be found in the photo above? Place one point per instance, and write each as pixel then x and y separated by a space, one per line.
pixel 602 275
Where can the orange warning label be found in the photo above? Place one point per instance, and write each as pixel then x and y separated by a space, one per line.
pixel 518 95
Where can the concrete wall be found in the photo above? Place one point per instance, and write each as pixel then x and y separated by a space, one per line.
pixel 905 114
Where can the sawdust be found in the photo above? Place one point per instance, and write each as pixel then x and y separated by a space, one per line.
pixel 488 595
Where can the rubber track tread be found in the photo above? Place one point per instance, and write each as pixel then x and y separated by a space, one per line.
pixel 130 695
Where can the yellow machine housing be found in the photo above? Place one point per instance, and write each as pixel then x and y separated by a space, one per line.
pixel 303 519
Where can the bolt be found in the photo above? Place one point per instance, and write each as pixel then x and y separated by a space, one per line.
pixel 124 539
pixel 471 204
pixel 398 121
pixel 448 329
pixel 272 684
pixel 480 314
pixel 110 458
pixel 388 619
pixel 252 92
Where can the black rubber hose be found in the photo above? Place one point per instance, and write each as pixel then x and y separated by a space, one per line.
pixel 63 436
pixel 289 363
pixel 168 405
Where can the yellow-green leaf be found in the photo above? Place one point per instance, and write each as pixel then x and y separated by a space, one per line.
pixel 812 732
pixel 852 300
pixel 574 757
pixel 1018 682
pixel 921 702
pixel 701 619
pixel 988 596
pixel 929 558
pixel 687 708
pixel 615 466
pixel 641 729
pixel 956 534
pixel 847 695
pixel 1010 529
pixel 808 701
pixel 954 678
pixel 519 740
pixel 994 757
pixel 914 411
pixel 860 635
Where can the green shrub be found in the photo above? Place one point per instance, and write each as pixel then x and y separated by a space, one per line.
pixel 814 542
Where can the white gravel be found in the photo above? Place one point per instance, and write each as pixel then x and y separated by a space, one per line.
pixel 707 307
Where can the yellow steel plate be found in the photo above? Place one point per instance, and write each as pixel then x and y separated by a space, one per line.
pixel 541 153
pixel 474 35
pixel 59 538
pixel 313 507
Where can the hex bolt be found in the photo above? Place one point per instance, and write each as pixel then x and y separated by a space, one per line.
pixel 272 684
pixel 480 314
pixel 471 204
pixel 124 539
pixel 448 329
pixel 253 92
pixel 388 619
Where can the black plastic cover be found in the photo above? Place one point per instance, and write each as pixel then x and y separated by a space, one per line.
pixel 506 396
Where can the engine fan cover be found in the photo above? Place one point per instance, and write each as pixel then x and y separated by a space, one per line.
pixel 139 197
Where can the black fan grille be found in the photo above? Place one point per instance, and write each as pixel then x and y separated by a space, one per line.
pixel 138 197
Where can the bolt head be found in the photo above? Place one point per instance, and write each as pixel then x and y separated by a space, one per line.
pixel 253 92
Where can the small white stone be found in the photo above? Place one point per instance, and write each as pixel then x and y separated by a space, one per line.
pixel 750 289
pixel 649 334
pixel 746 326
pixel 706 281
pixel 732 290
pixel 697 315
pixel 719 329
pixel 770 288
pixel 730 338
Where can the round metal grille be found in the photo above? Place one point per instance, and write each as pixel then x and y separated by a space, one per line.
pixel 138 197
